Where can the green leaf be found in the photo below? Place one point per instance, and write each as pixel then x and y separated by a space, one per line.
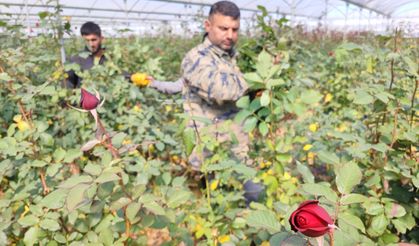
pixel 347 177
pixel 363 98
pixel 328 157
pixel 75 197
pixel 394 210
pixel 59 154
pixel 265 99
pixel 352 198
pixel 264 64
pixel 189 140
pixel 244 171
pixel 28 220
pixel 50 225
pixel 412 67
pixel 243 102
pixel 118 139
pixel 92 169
pixel 132 210
pixel 320 190
pixel 250 124
pixel 155 208
pixel 39 163
pixel 54 200
pixel 263 128
pixel 305 172
pixel 343 238
pixel 264 219
pixel 31 236
pixel 177 198
pixel 287 239
pixel 75 180
pixel 106 237
pixel 382 147
pixel 120 203
pixel 107 177
pixel 72 154
pixel 241 116
pixel 220 166
pixel 404 223
pixel 42 15
pixel 5 77
pixel 378 225
pixel 374 208
pixel 274 82
pixel 311 97
pixel 253 77
pixel 352 220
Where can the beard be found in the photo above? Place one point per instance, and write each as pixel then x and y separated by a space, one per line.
pixel 95 51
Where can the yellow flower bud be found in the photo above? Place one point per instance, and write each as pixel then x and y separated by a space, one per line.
pixel 328 98
pixel 214 185
pixel 313 127
pixel 224 239
pixel 140 79
pixel 307 147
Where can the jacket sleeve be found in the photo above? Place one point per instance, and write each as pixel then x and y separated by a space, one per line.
pixel 214 82
pixel 168 87
pixel 72 81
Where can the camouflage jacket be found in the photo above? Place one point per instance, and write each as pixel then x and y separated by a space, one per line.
pixel 212 82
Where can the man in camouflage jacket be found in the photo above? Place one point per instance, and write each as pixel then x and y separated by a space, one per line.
pixel 213 82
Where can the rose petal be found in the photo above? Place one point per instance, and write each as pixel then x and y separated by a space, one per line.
pixel 319 211
pixel 303 204
pixel 310 220
pixel 314 233
pixel 88 101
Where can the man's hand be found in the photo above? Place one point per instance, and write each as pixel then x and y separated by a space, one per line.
pixel 141 79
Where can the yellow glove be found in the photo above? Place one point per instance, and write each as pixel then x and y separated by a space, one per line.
pixel 140 79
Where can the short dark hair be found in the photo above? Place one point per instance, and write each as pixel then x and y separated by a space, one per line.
pixel 226 8
pixel 89 28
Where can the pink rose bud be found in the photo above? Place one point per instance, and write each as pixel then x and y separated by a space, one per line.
pixel 311 220
pixel 88 101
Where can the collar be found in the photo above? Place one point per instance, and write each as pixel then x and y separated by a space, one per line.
pixel 217 50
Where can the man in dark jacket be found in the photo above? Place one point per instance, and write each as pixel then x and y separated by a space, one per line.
pixel 92 34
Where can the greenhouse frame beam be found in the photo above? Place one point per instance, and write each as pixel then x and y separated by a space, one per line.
pixel 122 19
pixel 95 9
pixel 243 9
pixel 366 7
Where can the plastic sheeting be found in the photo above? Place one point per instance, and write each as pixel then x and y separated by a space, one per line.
pixel 159 15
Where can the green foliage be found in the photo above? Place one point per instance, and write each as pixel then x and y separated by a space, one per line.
pixel 329 120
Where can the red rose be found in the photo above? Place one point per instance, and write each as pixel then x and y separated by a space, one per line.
pixel 310 219
pixel 88 101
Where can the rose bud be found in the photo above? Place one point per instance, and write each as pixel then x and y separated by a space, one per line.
pixel 311 220
pixel 88 101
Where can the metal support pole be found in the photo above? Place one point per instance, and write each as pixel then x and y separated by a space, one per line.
pixel 346 15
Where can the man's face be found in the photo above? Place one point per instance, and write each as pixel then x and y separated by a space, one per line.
pixel 223 31
pixel 93 42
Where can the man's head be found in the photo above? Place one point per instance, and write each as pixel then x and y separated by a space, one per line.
pixel 222 25
pixel 92 34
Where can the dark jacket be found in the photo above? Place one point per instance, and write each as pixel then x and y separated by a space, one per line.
pixel 73 80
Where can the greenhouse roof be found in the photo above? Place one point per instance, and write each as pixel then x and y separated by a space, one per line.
pixel 136 14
